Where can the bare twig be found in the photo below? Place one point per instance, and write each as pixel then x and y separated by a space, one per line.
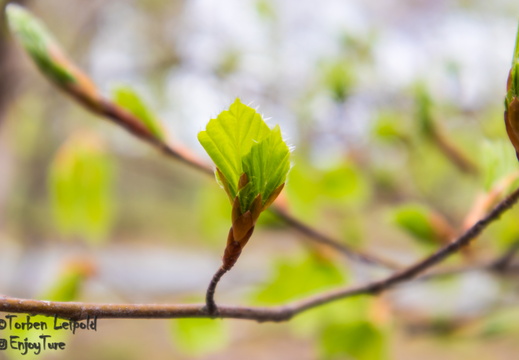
pixel 209 296
pixel 78 311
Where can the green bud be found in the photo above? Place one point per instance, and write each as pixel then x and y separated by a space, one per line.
pixel 38 42
pixel 49 57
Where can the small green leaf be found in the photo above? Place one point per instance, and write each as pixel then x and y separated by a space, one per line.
pixel 416 221
pixel 126 97
pixel 38 42
pixel 239 141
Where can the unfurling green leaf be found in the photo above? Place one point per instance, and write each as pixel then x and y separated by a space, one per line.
pixel 240 142
pixel 127 98
pixel 252 163
pixel 266 166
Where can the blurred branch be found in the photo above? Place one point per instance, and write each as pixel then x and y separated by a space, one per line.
pixel 452 151
pixel 434 132
pixel 57 68
pixel 79 311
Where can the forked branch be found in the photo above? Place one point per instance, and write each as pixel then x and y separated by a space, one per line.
pixel 79 311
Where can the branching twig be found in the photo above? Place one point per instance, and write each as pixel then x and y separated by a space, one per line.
pixel 78 311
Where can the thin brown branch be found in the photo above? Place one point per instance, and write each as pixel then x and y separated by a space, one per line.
pixel 502 265
pixel 78 311
pixel 419 267
pixel 209 296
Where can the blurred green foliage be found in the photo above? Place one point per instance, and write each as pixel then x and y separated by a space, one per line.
pixel 416 219
pixel 360 340
pixel 198 337
pixel 339 79
pixel 294 277
pixel 497 162
pixel 80 184
pixel 309 188
pixel 389 127
pixel 342 329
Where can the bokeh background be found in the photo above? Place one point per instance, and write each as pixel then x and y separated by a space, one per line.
pixel 395 113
